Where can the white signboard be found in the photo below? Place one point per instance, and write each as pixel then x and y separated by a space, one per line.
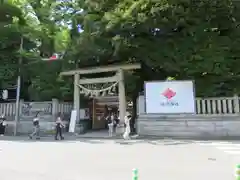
pixel 84 114
pixel 170 97
pixel 73 121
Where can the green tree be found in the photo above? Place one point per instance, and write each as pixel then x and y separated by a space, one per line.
pixel 43 27
pixel 185 39
pixel 9 44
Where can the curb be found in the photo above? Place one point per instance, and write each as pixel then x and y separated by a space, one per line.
pixel 134 137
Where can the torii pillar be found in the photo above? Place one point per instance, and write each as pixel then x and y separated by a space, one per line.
pixel 76 97
pixel 122 96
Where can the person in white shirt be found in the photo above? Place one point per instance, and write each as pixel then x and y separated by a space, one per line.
pixel 127 120
pixel 59 126
pixel 36 128
pixel 3 125
pixel 110 125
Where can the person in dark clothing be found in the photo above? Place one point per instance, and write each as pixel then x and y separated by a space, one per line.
pixel 59 126
pixel 115 122
pixel 36 128
pixel 3 125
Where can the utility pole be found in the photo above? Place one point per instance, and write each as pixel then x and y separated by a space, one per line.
pixel 18 89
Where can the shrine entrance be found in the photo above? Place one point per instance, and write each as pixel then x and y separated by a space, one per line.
pixel 96 88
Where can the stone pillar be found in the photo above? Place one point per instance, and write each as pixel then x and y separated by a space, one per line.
pixel 21 103
pixel 122 97
pixel 76 103
pixel 236 104
pixel 55 109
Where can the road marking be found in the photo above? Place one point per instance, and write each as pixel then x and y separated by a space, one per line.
pixel 232 152
pixel 226 144
pixel 226 147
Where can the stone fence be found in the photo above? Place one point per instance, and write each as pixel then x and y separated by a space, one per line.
pixel 47 112
pixel 214 118
pixel 207 106
pixel 30 109
pixel 204 106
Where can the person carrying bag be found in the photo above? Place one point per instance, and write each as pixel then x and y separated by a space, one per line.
pixel 36 128
pixel 59 125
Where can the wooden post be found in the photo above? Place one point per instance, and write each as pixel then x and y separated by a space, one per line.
pixel 122 97
pixel 76 103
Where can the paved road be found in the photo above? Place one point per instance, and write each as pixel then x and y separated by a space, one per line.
pixel 114 160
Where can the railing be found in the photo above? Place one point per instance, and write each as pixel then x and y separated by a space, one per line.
pixel 7 109
pixel 208 106
pixel 205 106
pixel 227 105
pixel 65 107
pixel 31 108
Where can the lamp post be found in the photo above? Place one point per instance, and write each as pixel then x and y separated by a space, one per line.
pixel 18 88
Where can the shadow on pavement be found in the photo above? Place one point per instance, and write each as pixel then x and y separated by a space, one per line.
pixel 120 141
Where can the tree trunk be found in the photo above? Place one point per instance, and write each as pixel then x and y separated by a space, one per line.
pixel 134 113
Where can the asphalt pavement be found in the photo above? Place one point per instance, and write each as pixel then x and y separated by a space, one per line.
pixel 103 159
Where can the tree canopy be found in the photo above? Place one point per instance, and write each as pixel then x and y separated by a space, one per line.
pixel 184 39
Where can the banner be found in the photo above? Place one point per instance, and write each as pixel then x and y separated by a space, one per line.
pixel 170 97
pixel 73 121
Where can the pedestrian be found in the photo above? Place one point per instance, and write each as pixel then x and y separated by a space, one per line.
pixel 110 126
pixel 127 120
pixel 3 125
pixel 59 127
pixel 36 128
pixel 115 122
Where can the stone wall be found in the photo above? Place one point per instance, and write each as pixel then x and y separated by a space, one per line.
pixel 26 127
pixel 189 126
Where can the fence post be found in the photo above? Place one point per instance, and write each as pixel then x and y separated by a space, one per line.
pixel 236 104
pixel 54 107
pixel 21 103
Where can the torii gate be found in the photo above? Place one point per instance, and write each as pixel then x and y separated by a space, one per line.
pixel 117 79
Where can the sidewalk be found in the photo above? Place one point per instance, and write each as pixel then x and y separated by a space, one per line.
pixel 67 136
pixel 97 135
pixel 104 135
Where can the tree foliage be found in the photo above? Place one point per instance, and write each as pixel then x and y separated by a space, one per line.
pixel 185 39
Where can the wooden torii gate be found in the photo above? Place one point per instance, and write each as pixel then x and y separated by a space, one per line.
pixel 118 78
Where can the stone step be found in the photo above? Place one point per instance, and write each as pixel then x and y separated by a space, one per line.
pixel 184 115
pixel 188 125
pixel 183 120
pixel 191 118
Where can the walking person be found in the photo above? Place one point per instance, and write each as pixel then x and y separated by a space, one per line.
pixel 110 125
pixel 36 128
pixel 113 119
pixel 3 125
pixel 59 127
pixel 127 120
